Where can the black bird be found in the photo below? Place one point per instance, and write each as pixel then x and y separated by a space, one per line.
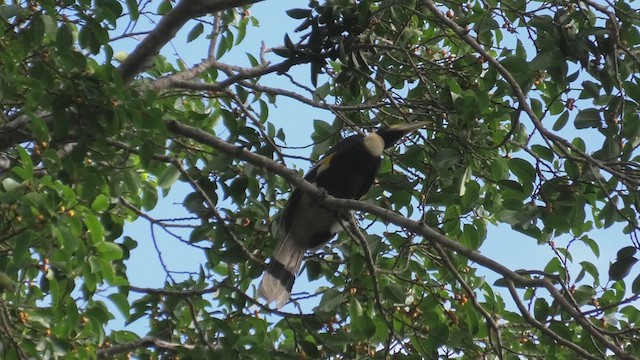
pixel 347 171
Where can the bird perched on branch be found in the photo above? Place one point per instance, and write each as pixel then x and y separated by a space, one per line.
pixel 347 171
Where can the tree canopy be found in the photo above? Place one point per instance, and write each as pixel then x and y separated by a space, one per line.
pixel 536 126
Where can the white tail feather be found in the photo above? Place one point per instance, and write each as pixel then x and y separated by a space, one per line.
pixel 273 287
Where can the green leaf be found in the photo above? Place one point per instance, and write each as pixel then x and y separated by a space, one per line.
pixel 149 198
pixel 633 90
pixel 36 29
pixel 95 228
pixel 471 194
pixel 583 294
pixel 522 169
pixel 121 302
pixel 395 293
pixel 164 7
pixel 242 32
pixel 314 269
pixel 543 152
pixel 299 13
pixel 331 299
pixel 554 266
pixel 66 238
pixel 562 121
pixel 196 31
pixel 7 11
pixel 9 184
pixel 635 287
pixel 288 43
pixel 64 38
pixel 621 268
pixel 310 349
pixel 470 236
pixel 446 158
pixel 94 264
pixel 591 89
pixel 22 243
pixel 588 118
pixel 627 251
pixel 109 251
pixel 200 233
pixel 194 203
pixel 591 270
pixel 26 171
pixel 168 177
pixel 323 90
pixel 355 308
pixel 100 203
pixel 132 6
pixel 541 310
pixel 510 184
pixel 592 244
pixel 472 319
pixel 323 129
pixel 364 325
pixel 545 59
pixel 561 329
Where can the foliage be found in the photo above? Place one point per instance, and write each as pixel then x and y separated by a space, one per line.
pixel 536 110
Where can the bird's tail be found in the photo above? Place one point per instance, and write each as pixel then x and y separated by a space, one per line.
pixel 280 274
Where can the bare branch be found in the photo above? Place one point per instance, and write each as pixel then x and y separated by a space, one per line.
pixel 179 80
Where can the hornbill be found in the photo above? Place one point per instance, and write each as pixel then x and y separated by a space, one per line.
pixel 346 171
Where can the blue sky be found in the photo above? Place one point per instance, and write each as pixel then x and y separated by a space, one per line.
pixel 510 248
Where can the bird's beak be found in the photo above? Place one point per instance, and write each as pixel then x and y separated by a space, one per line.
pixel 406 128
pixel 395 132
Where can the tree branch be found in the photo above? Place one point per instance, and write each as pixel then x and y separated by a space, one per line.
pixel 167 29
pixel 180 80
pixel 352 228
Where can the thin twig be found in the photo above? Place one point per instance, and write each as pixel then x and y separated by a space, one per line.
pixel 491 323
pixel 542 327
pixel 356 234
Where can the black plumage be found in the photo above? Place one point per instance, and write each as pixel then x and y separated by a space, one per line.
pixel 347 171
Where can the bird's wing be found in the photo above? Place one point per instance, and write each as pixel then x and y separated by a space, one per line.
pixel 336 150
pixel 372 176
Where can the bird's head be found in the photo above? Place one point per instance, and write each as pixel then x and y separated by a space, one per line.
pixel 387 136
pixel 392 133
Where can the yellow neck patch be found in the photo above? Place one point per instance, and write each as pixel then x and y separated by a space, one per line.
pixel 324 164
pixel 374 144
